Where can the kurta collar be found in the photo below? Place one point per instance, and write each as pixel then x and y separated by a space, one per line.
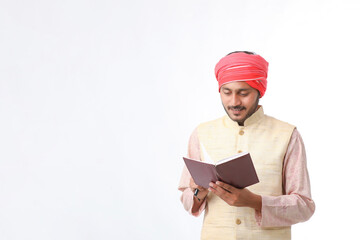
pixel 255 117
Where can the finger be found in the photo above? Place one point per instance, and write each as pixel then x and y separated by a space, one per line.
pixel 199 188
pixel 219 191
pixel 226 186
pixel 194 186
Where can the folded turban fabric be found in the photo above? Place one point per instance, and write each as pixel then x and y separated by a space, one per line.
pixel 240 66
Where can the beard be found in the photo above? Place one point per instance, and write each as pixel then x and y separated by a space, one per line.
pixel 249 111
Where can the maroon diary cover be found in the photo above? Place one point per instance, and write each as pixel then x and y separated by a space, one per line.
pixel 237 171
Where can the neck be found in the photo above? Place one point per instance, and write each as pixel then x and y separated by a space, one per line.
pixel 256 107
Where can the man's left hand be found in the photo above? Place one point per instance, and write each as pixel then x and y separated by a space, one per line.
pixel 236 197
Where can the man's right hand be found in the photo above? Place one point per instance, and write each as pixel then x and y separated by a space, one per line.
pixel 202 191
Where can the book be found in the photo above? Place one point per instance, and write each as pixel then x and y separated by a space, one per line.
pixel 237 170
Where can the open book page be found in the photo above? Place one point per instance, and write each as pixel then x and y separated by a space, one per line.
pixel 231 158
pixel 207 158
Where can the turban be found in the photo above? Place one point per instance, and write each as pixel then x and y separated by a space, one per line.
pixel 244 67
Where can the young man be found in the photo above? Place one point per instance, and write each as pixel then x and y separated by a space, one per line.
pixel 267 209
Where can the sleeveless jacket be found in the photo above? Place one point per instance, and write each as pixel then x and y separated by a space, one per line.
pixel 266 139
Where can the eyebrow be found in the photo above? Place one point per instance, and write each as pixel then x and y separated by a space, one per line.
pixel 237 90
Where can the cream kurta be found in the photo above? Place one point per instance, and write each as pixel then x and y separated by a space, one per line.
pixel 279 157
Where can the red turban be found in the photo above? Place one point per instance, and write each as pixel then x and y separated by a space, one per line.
pixel 240 66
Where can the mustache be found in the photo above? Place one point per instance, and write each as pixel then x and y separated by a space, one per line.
pixel 238 108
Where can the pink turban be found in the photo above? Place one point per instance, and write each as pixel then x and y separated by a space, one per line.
pixel 240 66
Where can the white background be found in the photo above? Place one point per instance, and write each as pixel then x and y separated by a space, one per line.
pixel 98 100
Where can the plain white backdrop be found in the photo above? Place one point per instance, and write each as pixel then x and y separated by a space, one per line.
pixel 98 100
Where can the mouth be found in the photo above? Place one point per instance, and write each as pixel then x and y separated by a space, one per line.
pixel 236 110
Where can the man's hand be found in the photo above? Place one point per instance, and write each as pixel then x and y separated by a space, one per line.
pixel 202 191
pixel 201 195
pixel 236 197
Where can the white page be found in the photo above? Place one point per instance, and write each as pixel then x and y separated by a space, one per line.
pixel 231 158
pixel 207 157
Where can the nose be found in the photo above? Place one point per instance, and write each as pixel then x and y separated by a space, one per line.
pixel 235 100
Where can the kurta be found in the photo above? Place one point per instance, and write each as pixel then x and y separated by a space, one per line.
pixel 279 158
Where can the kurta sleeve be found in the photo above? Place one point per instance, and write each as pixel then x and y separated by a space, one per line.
pixel 187 196
pixel 296 204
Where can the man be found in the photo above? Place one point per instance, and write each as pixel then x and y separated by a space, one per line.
pixel 267 209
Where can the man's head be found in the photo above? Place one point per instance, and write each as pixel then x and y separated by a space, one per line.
pixel 242 81
pixel 240 100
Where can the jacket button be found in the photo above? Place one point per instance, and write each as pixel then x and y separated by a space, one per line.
pixel 239 151
pixel 241 132
pixel 238 221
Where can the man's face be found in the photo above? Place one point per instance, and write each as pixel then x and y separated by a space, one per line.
pixel 240 100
